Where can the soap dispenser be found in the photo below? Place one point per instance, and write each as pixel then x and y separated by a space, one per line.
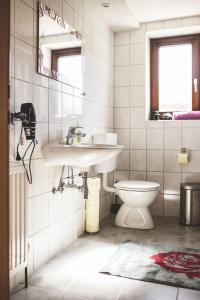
pixel 78 136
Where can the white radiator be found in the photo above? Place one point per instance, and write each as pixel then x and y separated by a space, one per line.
pixel 18 220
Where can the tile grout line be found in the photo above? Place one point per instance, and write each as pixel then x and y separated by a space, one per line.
pixel 120 292
pixel 130 109
pixel 68 287
pixel 177 295
pixel 163 172
pixel 181 127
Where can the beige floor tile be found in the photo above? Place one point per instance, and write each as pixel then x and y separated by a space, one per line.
pixel 34 293
pixel 98 287
pixel 139 290
pixel 74 273
pixel 185 294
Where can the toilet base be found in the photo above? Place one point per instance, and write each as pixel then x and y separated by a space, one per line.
pixel 131 217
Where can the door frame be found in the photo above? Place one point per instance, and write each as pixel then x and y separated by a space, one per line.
pixel 4 148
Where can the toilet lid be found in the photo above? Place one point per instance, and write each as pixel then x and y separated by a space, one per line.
pixel 137 185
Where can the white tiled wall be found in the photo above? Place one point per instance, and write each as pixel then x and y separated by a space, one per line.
pixel 150 147
pixel 56 220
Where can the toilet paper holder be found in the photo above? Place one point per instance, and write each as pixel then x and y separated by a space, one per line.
pixel 184 150
pixel 183 156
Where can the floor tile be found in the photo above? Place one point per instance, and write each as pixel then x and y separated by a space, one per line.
pixel 53 276
pixel 98 287
pixel 139 290
pixel 168 241
pixel 34 293
pixel 185 294
pixel 74 274
pixel 70 296
pixel 194 244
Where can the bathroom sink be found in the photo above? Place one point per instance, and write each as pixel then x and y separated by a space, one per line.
pixel 81 156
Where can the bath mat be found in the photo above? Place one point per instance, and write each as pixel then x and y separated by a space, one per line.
pixel 178 267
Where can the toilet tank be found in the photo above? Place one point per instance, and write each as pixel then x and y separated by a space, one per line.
pixel 110 164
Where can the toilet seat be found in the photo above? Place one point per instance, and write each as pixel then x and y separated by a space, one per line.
pixel 137 185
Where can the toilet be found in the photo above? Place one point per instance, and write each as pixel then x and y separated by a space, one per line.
pixel 136 195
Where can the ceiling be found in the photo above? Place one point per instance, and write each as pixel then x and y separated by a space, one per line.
pixel 153 10
pixel 118 15
pixel 126 14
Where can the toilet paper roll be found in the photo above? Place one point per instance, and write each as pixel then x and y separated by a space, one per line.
pixel 182 158
pixel 92 205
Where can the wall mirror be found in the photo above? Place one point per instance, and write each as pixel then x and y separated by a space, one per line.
pixel 59 48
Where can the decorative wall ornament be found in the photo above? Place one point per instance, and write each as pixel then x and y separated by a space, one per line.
pixel 45 10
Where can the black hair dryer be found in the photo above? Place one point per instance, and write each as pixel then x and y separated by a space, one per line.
pixel 29 123
pixel 28 117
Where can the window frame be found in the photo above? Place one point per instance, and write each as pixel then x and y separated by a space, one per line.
pixel 155 43
pixel 56 54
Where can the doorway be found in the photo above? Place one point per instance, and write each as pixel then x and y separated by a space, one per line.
pixel 4 137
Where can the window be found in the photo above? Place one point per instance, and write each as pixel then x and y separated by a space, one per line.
pixel 67 62
pixel 175 71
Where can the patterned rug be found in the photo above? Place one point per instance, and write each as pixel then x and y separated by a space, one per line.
pixel 169 266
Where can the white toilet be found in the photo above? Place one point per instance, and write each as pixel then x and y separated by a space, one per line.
pixel 136 195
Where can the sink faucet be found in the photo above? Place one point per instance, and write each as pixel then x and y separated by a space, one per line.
pixel 74 131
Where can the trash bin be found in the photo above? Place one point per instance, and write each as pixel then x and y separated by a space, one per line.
pixel 190 203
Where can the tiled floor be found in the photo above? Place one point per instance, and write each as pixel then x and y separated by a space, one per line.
pixel 74 273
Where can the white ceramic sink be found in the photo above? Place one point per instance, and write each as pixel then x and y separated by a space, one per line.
pixel 81 156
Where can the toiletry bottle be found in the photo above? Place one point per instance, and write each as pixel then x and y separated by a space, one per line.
pixel 77 139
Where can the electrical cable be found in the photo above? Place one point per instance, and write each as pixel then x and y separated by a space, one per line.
pixel 18 157
pixel 28 170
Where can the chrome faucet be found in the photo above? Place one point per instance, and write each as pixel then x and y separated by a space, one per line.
pixel 72 134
